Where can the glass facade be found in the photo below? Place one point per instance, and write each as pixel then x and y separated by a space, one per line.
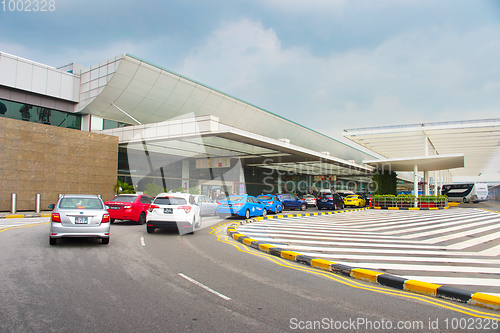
pixel 108 124
pixel 38 114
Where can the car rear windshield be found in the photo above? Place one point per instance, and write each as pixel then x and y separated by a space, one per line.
pixel 173 201
pixel 352 196
pixel 265 197
pixel 80 203
pixel 124 198
pixel 234 198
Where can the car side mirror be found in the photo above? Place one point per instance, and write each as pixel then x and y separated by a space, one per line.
pixel 51 206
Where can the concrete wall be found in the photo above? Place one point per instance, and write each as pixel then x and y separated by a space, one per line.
pixel 37 158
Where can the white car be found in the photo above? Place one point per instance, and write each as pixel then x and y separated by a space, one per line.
pixel 310 199
pixel 207 205
pixel 174 211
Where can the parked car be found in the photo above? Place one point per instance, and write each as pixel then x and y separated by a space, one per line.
pixel 310 199
pixel 272 203
pixel 355 200
pixel 133 207
pixel 291 201
pixel 79 215
pixel 241 205
pixel 330 201
pixel 207 205
pixel 174 211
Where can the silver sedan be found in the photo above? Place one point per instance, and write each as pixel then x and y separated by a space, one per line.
pixel 79 215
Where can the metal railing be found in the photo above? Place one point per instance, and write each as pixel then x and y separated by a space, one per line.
pixel 406 202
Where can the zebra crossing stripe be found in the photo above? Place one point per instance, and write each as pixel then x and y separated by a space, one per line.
pixel 411 285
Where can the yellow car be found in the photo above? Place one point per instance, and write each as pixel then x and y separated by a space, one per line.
pixel 354 200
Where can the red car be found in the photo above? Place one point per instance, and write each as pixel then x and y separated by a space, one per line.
pixel 132 207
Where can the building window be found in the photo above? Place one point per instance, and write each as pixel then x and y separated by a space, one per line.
pixel 108 124
pixel 38 114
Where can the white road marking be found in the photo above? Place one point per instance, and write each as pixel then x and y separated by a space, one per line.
pixel 142 241
pixel 438 244
pixel 205 287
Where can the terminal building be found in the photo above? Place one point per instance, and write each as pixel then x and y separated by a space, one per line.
pixel 77 130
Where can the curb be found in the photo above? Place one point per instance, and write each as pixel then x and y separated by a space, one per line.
pixel 14 216
pixel 388 280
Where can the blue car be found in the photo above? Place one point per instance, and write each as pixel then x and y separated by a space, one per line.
pixel 273 204
pixel 240 205
pixel 291 201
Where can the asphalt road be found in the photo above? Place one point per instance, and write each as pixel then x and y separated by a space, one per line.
pixel 206 282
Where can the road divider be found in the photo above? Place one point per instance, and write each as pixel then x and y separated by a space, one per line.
pixel 388 280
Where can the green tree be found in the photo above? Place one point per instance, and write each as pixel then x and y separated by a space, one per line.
pixel 386 182
pixel 124 188
pixel 153 189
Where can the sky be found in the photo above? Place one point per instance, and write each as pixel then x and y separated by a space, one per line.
pixel 326 64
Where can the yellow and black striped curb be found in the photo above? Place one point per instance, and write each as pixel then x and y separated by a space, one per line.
pixel 21 216
pixel 419 287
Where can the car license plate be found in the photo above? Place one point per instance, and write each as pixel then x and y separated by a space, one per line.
pixel 80 220
pixel 111 207
pixel 324 200
pixel 167 210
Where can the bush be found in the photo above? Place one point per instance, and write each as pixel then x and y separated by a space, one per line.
pixel 153 189
pixel 124 188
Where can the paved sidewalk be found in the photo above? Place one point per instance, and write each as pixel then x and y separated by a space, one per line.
pixel 8 215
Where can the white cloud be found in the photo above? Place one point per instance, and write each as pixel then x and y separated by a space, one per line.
pixel 418 76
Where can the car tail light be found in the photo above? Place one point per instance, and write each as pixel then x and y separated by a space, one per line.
pixel 56 217
pixel 271 202
pixel 151 207
pixel 127 207
pixel 105 218
pixel 187 209
pixel 239 204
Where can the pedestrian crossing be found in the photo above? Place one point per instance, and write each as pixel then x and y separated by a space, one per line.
pixel 455 247
pixel 6 224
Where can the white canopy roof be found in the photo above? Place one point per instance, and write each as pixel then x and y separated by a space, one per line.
pixel 477 140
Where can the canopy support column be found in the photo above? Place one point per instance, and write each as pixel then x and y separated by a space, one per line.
pixel 415 182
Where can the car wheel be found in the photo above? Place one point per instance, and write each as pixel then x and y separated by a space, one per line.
pixel 276 210
pixel 142 218
pixel 150 230
pixel 112 221
pixel 335 207
pixel 221 216
pixel 247 214
pixel 105 240
pixel 264 212
pixel 465 201
pixel 52 241
pixel 303 207
pixel 198 225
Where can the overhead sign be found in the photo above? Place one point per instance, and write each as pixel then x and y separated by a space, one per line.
pixel 217 162
pixel 327 177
